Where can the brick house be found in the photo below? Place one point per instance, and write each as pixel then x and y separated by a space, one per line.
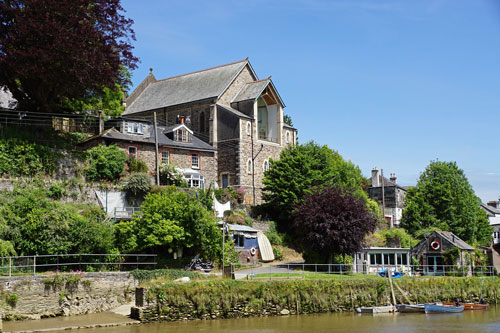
pixel 227 107
pixel 176 145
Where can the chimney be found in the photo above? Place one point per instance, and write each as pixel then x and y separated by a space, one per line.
pixel 375 178
pixel 181 120
pixel 101 123
pixel 393 178
pixel 493 204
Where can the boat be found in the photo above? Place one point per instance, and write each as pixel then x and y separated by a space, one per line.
pixel 395 274
pixel 470 306
pixel 435 308
pixel 376 309
pixel 410 308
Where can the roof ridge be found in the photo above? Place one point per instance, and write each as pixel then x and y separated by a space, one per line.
pixel 202 70
pixel 266 79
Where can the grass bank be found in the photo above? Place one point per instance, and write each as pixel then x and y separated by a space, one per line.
pixel 212 299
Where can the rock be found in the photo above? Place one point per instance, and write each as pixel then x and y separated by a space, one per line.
pixel 183 279
pixel 284 312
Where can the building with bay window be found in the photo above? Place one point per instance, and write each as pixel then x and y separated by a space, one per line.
pixel 177 145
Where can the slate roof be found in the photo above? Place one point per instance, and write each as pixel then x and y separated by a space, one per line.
pixel 453 239
pixel 251 90
pixel 196 86
pixel 388 182
pixel 233 111
pixel 491 211
pixel 163 140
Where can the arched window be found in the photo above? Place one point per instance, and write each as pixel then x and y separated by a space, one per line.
pixel 249 128
pixel 202 122
pixel 287 137
pixel 266 165
pixel 249 166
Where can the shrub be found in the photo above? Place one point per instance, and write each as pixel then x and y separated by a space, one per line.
pixel 136 165
pixel 105 163
pixel 138 185
pixel 274 237
pixel 22 158
pixel 277 254
pixel 55 192
pixel 171 175
pixel 12 299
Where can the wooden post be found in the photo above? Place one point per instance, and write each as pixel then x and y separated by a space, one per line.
pixel 389 272
pixel 157 164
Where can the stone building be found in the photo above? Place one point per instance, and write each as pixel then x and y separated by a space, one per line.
pixel 176 145
pixel 394 196
pixel 229 108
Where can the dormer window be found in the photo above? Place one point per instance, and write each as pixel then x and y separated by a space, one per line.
pixel 134 128
pixel 181 135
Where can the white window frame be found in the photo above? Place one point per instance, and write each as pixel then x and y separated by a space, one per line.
pixel 133 154
pixel 198 160
pixel 249 128
pixel 197 181
pixel 265 165
pixel 221 180
pixel 287 137
pixel 249 166
pixel 164 160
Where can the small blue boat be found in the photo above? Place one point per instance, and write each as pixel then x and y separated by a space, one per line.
pixel 395 274
pixel 434 308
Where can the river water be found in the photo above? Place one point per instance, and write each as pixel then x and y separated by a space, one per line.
pixel 467 321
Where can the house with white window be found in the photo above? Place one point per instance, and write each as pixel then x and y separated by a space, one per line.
pixel 177 145
pixel 229 108
pixel 372 260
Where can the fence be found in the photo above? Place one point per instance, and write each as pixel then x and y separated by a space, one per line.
pixel 312 271
pixel 20 265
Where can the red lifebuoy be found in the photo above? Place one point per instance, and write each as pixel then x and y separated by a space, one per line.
pixel 435 245
pixel 252 251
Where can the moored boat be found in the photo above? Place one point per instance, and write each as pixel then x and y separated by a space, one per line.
pixel 376 309
pixel 410 308
pixel 470 306
pixel 435 308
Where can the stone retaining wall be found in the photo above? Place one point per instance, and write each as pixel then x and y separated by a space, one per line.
pixel 53 295
pixel 238 299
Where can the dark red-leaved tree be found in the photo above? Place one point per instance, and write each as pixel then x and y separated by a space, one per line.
pixel 53 50
pixel 332 222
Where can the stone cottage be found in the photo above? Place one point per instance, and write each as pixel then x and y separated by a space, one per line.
pixel 177 145
pixel 393 194
pixel 229 108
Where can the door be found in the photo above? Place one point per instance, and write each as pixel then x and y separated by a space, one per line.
pixel 435 265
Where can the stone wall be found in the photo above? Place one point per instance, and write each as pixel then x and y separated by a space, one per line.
pixel 241 80
pixel 64 294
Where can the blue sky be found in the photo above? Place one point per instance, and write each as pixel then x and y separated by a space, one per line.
pixel 392 84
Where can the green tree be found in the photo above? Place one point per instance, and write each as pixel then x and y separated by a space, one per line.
pixel 36 224
pixel 444 199
pixel 171 219
pixel 299 171
pixel 105 163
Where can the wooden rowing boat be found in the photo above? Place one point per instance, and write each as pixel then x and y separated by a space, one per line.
pixel 470 306
pixel 434 308
pixel 376 309
pixel 410 308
